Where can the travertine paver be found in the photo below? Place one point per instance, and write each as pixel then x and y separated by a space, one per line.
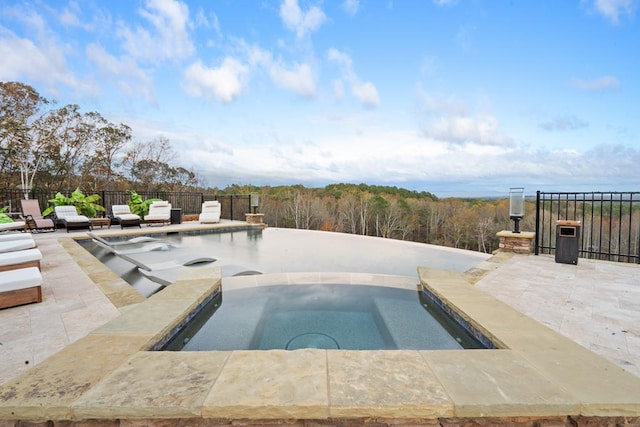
pixel 154 384
pixel 595 303
pixel 72 306
pixel 384 384
pixel 48 390
pixel 492 383
pixel 275 384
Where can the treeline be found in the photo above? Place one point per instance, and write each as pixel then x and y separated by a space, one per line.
pixel 52 147
pixel 389 212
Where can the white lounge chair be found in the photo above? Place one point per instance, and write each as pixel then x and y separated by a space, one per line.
pixel 124 215
pixel 71 219
pixel 128 242
pixel 159 213
pixel 20 286
pixel 11 226
pixel 16 245
pixel 20 259
pixel 210 212
pixel 7 237
pixel 134 248
pixel 172 258
pixel 167 276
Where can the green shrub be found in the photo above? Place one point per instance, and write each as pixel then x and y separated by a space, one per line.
pixel 139 206
pixel 86 205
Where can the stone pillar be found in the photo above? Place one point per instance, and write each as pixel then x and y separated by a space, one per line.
pixel 256 218
pixel 519 243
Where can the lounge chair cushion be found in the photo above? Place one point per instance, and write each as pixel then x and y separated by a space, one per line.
pixel 210 212
pixel 128 217
pixel 17 245
pixel 159 212
pixel 69 214
pixel 11 260
pixel 123 212
pixel 19 278
pixel 20 286
pixel 14 225
pixel 7 237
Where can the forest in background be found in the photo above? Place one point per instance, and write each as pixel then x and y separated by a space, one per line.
pixel 390 212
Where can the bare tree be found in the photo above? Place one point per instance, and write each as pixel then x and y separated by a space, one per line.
pixel 100 168
pixel 20 108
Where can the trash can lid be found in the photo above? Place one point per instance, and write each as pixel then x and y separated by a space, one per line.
pixel 568 222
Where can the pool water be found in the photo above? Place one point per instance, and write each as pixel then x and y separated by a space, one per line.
pixel 278 250
pixel 350 317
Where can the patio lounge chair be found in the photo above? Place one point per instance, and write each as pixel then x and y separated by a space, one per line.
pixel 12 226
pixel 133 248
pixel 167 276
pixel 16 245
pixel 70 218
pixel 118 243
pixel 20 286
pixel 33 216
pixel 125 217
pixel 8 237
pixel 210 212
pixel 159 213
pixel 20 259
pixel 173 258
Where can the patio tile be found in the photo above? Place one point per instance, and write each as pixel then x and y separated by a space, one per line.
pixel 271 384
pixel 154 385
pixel 384 384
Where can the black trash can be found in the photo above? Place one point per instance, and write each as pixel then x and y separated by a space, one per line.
pixel 567 242
pixel 176 215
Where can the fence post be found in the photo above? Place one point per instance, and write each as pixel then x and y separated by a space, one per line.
pixel 535 239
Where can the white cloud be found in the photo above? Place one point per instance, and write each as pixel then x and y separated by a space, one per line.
pixel 351 6
pixel 564 124
pixel 463 130
pixel 40 60
pixel 224 83
pixel 131 79
pixel 599 84
pixel 614 9
pixel 299 21
pixel 365 92
pixel 299 79
pixel 166 39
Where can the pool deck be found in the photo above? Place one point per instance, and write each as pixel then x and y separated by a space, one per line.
pixel 595 304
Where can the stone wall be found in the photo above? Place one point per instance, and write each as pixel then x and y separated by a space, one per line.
pixel 519 243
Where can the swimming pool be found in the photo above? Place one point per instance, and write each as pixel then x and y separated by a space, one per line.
pixel 278 250
pixel 311 314
pixel 326 316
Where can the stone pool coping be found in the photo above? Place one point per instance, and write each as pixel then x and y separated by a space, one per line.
pixel 111 375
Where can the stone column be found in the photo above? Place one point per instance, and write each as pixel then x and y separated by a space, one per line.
pixel 256 218
pixel 519 243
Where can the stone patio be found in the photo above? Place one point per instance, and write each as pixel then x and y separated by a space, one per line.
pixel 99 334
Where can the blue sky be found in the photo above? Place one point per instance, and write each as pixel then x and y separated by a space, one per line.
pixel 466 97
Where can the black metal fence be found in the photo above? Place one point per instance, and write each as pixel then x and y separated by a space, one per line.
pixel 609 223
pixel 231 206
